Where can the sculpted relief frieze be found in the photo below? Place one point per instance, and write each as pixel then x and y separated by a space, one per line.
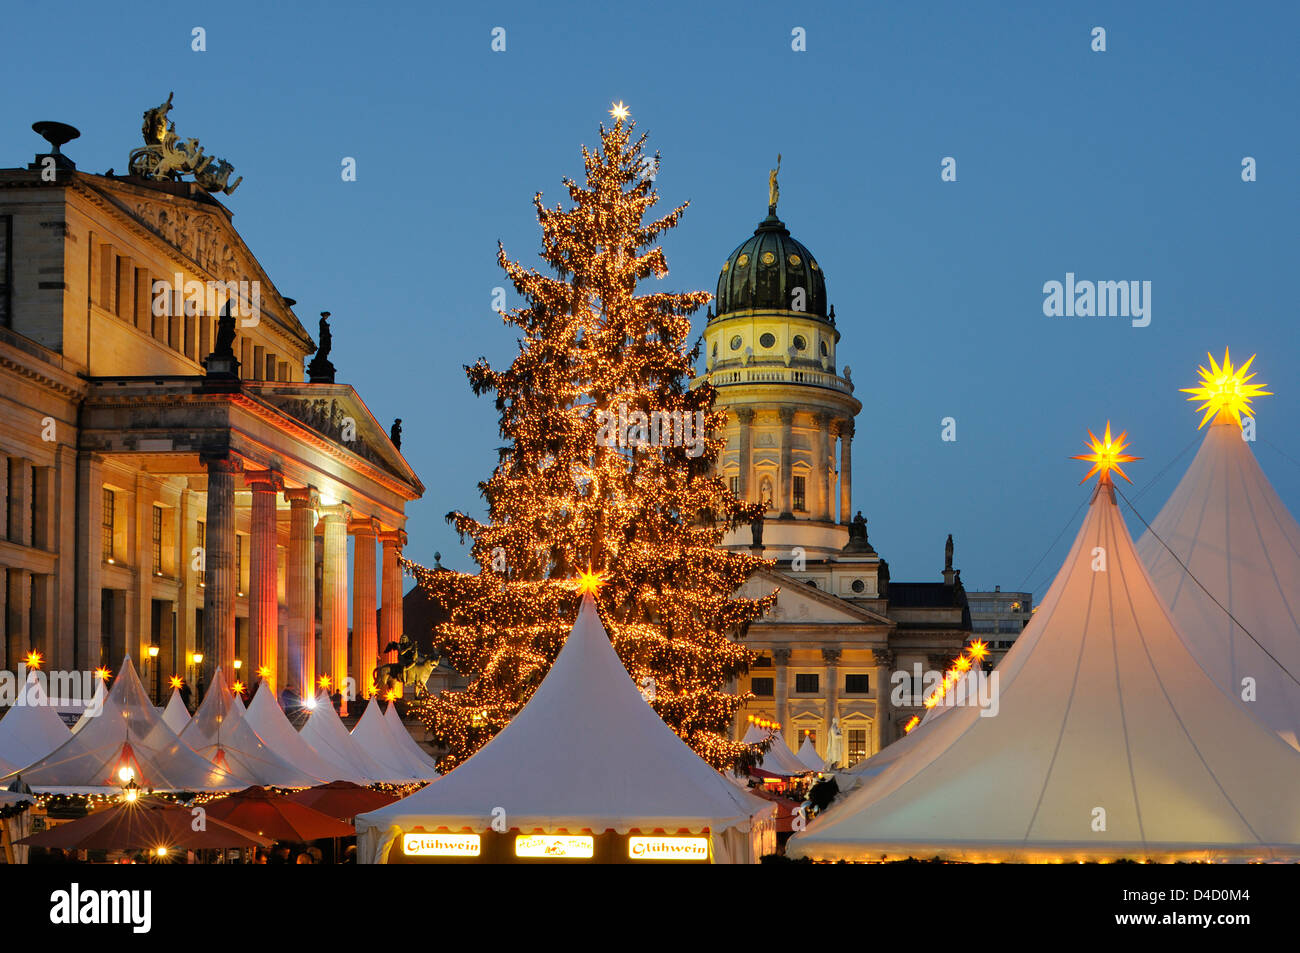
pixel 196 235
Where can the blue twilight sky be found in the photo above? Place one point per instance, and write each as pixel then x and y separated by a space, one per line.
pixel 1117 165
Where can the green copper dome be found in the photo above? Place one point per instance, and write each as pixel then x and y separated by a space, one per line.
pixel 766 271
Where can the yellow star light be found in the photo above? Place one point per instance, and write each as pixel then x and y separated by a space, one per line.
pixel 102 674
pixel 1225 390
pixel 34 659
pixel 175 682
pixel 619 112
pixel 1107 454
pixel 590 581
pixel 237 688
pixel 979 650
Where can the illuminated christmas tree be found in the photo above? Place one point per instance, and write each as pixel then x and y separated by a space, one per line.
pixel 607 470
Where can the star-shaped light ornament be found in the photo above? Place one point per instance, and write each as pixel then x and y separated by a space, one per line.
pixel 1225 390
pixel 34 659
pixel 175 682
pixel 1107 454
pixel 619 112
pixel 590 581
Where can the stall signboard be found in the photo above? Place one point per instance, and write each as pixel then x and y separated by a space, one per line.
pixel 441 845
pixel 668 848
pixel 555 845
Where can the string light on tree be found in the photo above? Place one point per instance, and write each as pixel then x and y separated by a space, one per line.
pixel 646 521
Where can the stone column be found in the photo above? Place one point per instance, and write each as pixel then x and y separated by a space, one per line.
pixel 781 659
pixel 186 581
pixel 18 608
pixel 90 559
pixel 142 559
pixel 786 488
pixel 822 467
pixel 831 659
pixel 300 590
pixel 881 734
pixel 334 597
pixel 365 637
pixel 66 589
pixel 745 418
pixel 846 471
pixel 218 645
pixel 263 588
pixel 390 615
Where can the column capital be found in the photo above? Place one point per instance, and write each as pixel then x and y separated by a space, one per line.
pixel 846 429
pixel 222 460
pixel 831 656
pixel 781 656
pixel 336 511
pixel 883 657
pixel 787 415
pixel 303 497
pixel 822 419
pixel 363 526
pixel 270 481
pixel 744 415
pixel 393 537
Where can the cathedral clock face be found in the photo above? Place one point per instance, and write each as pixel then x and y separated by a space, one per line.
pixel 767 340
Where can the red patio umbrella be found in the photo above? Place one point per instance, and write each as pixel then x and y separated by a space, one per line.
pixel 273 815
pixel 342 799
pixel 144 824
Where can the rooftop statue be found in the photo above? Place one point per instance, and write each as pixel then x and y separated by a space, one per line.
pixel 773 190
pixel 165 156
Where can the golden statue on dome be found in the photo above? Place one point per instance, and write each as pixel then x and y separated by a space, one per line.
pixel 773 190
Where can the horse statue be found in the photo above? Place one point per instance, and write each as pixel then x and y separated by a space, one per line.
pixel 412 665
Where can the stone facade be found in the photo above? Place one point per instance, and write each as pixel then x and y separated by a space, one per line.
pixel 151 500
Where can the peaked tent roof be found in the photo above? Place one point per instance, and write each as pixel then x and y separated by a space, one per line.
pixel 93 707
pixel 220 732
pixel 779 758
pixel 176 715
pixel 586 753
pixel 807 754
pixel 1100 705
pixel 127 732
pixel 267 718
pixel 420 763
pixel 324 731
pixel 372 735
pixel 31 729
pixel 1228 526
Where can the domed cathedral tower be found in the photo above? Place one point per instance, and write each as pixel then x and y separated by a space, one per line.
pixel 771 354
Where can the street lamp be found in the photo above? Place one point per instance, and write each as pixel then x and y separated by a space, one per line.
pixel 198 671
pixel 157 683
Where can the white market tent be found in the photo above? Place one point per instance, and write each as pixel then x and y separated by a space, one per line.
pixel 587 753
pixel 93 707
pixel 267 718
pixel 808 756
pixel 176 715
pixel 127 733
pixel 779 759
pixel 1104 718
pixel 220 732
pixel 31 728
pixel 324 731
pixel 421 765
pixel 1230 533
pixel 373 736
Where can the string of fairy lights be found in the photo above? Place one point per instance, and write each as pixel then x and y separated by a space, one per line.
pixel 650 519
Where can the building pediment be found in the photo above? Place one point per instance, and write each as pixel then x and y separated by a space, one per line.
pixel 199 230
pixel 800 603
pixel 336 412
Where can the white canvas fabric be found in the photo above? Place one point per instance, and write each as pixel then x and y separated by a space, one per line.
pixel 176 715
pixel 220 732
pixel 371 734
pixel 779 759
pixel 586 753
pixel 30 729
pixel 808 756
pixel 324 731
pixel 267 718
pixel 1227 525
pixel 127 732
pixel 421 765
pixel 93 707
pixel 1101 707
